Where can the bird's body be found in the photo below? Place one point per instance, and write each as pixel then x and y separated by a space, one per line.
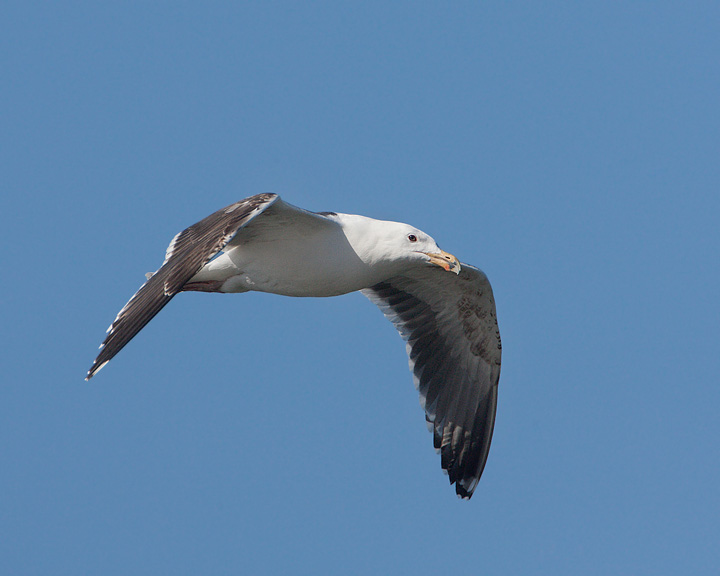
pixel 294 256
pixel 448 320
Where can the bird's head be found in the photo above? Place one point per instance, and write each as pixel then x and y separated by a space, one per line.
pixel 398 244
pixel 419 245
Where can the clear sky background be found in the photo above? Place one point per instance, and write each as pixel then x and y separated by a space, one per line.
pixel 570 150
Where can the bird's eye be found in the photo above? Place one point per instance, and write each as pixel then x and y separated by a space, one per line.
pixel 412 237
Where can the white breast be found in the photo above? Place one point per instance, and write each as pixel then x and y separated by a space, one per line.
pixel 292 261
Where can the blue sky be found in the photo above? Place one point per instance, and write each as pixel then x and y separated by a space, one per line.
pixel 569 150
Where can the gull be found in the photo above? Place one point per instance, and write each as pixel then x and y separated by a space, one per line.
pixel 444 310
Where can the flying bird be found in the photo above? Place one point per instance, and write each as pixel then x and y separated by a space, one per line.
pixel 444 310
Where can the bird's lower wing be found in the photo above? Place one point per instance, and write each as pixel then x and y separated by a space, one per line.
pixel 453 343
pixel 187 253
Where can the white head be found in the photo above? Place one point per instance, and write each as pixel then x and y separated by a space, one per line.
pixel 396 244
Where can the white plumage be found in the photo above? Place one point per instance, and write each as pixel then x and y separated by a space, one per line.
pixel 444 310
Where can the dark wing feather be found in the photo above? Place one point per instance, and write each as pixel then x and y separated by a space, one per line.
pixel 453 343
pixel 188 252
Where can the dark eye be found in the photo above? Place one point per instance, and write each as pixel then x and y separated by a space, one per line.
pixel 412 237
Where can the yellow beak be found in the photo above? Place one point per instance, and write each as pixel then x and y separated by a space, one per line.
pixel 445 260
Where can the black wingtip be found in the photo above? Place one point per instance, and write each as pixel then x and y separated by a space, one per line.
pixel 94 369
pixel 464 493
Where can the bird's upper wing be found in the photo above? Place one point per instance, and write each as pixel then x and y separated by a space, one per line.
pixel 187 253
pixel 453 343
